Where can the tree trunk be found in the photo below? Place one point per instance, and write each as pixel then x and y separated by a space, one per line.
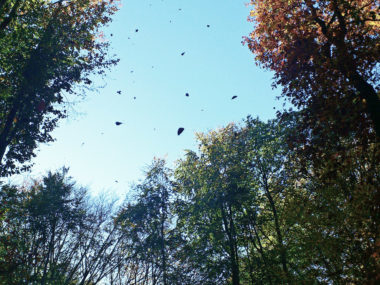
pixel 24 95
pixel 367 92
pixel 259 248
pixel 163 255
pixel 4 135
pixel 347 65
pixel 232 247
pixel 277 226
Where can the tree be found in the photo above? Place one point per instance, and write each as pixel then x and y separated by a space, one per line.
pixel 11 218
pixel 51 233
pixel 335 208
pixel 325 55
pixel 47 52
pixel 233 195
pixel 209 186
pixel 147 225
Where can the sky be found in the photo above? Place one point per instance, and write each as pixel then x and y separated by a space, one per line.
pixel 153 78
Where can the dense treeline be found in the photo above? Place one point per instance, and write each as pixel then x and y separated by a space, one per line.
pixel 294 200
pixel 52 233
pixel 241 209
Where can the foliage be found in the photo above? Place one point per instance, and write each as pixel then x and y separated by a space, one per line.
pixel 325 56
pixel 147 227
pixel 289 201
pixel 45 52
pixel 232 196
pixel 8 11
pixel 52 234
pixel 248 206
pixel 244 209
pixel 337 220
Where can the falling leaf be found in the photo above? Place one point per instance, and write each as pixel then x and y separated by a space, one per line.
pixel 233 97
pixel 180 130
pixel 118 123
pixel 183 53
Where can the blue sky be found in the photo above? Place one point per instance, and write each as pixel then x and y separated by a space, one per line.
pixel 215 67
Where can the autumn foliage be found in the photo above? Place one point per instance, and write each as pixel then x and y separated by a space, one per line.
pixel 324 55
pixel 294 200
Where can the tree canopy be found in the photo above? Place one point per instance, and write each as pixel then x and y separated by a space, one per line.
pixel 53 233
pixel 325 56
pixel 47 52
pixel 241 209
pixel 293 200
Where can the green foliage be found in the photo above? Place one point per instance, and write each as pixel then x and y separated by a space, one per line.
pixel 291 201
pixel 337 219
pixel 46 52
pixel 147 227
pixel 8 11
pixel 231 203
pixel 245 208
pixel 52 234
